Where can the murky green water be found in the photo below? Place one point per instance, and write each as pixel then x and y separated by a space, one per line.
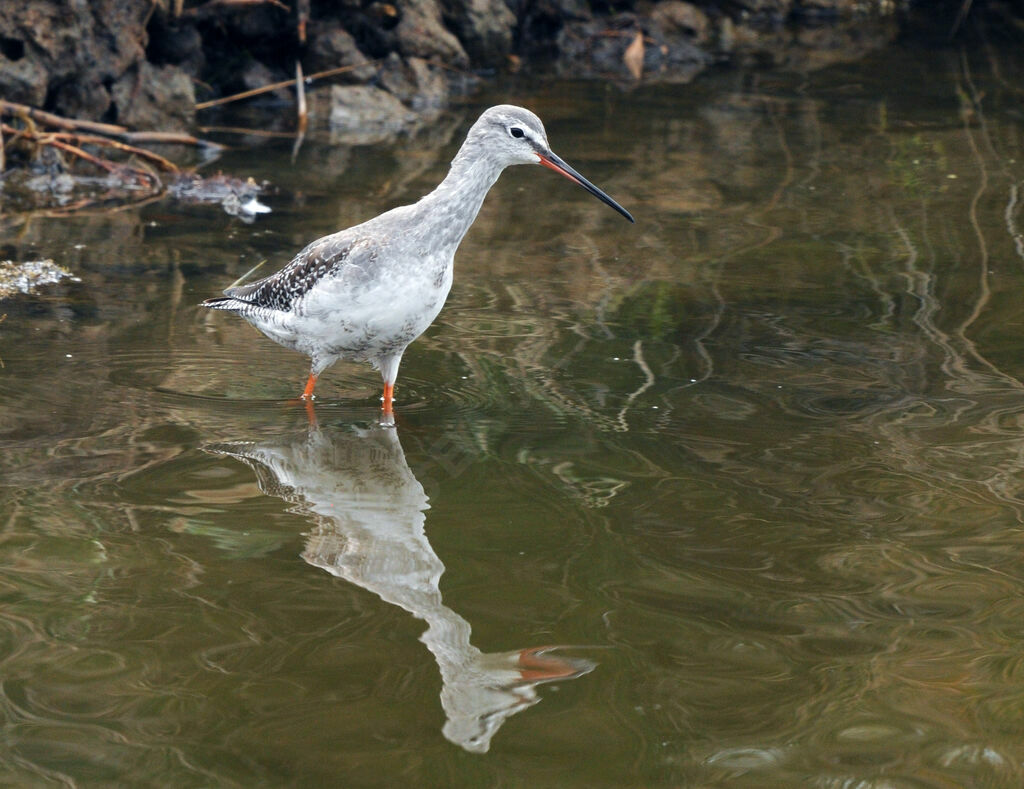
pixel 732 497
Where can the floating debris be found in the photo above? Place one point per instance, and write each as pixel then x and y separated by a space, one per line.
pixel 236 196
pixel 30 276
pixel 62 165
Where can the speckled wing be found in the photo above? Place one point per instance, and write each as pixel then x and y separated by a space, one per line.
pixel 320 259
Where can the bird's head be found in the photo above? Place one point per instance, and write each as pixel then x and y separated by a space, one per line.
pixel 514 135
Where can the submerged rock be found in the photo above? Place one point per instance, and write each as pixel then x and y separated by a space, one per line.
pixel 28 277
pixel 236 196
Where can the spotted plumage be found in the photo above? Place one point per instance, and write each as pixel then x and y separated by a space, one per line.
pixel 367 292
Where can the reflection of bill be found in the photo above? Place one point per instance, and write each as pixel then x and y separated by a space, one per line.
pixel 368 511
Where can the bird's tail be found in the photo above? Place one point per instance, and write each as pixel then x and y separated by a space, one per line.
pixel 223 303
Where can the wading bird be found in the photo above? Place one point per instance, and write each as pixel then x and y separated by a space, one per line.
pixel 367 292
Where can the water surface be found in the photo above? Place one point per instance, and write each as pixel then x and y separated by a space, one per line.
pixel 731 497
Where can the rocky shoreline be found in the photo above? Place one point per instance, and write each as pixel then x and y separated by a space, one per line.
pixel 148 64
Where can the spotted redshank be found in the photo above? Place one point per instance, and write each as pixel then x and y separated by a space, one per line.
pixel 367 292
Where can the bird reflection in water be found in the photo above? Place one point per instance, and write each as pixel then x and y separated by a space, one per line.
pixel 368 513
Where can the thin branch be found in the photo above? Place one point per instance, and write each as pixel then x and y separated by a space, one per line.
pixel 302 122
pixel 244 130
pixel 300 96
pixel 105 164
pixel 90 139
pixel 246 94
pixel 17 110
pixel 50 119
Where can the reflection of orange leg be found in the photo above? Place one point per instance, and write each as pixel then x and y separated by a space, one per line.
pixel 388 398
pixel 310 411
pixel 307 393
pixel 534 665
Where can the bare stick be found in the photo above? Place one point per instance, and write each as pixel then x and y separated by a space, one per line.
pixel 302 12
pixel 244 130
pixel 246 275
pixel 48 118
pixel 300 106
pixel 169 138
pixel 50 138
pixel 300 96
pixel 109 129
pixel 245 94
pixel 91 139
pixel 74 149
pixel 104 164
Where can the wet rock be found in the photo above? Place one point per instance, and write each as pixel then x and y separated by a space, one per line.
pixel 676 18
pixel 331 46
pixel 92 43
pixel 374 28
pixel 254 23
pixel 541 22
pixel 361 114
pixel 23 80
pixel 421 33
pixel 415 83
pixel 254 74
pixel 154 97
pixel 81 99
pixel 779 8
pixel 179 43
pixel 485 28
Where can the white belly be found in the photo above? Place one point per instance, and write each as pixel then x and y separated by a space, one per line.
pixel 354 318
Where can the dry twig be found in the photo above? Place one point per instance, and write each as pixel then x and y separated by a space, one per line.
pixel 24 111
pixel 247 94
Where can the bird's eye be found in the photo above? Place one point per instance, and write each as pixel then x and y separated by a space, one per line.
pixel 515 131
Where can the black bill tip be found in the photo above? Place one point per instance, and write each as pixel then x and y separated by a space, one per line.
pixel 556 163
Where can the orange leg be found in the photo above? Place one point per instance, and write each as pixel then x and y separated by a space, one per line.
pixel 388 398
pixel 307 393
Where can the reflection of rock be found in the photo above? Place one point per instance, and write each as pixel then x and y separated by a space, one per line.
pixel 681 40
pixel 368 511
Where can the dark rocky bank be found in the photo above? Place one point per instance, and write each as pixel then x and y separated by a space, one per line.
pixel 145 64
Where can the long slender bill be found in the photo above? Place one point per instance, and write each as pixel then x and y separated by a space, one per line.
pixel 556 163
